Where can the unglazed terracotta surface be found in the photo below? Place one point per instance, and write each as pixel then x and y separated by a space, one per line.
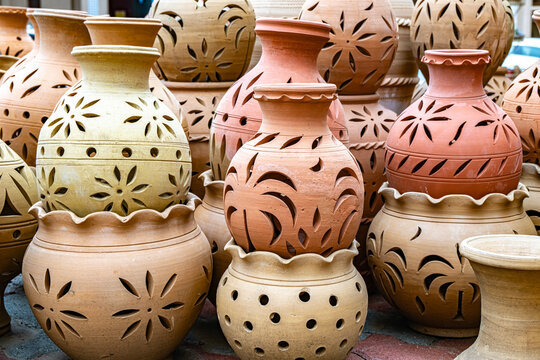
pixel 412 252
pixel 290 50
pixel 199 102
pixel 208 40
pixel 462 24
pixel 498 85
pixel 508 269
pixel 363 42
pixel 14 40
pixel 29 93
pixel 17 227
pixel 150 274
pixel 110 144
pixel 530 177
pixel 454 140
pixel 273 201
pixel 211 218
pixel 307 307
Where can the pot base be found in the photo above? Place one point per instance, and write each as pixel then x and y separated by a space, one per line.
pixel 440 332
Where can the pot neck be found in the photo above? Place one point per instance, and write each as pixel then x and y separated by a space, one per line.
pixel 456 73
pixel 13 21
pixel 30 15
pixel 123 31
pixel 116 68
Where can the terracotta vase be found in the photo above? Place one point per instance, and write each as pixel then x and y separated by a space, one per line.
pixel 29 93
pixel 508 269
pixel 6 62
pixel 290 50
pixel 307 307
pixel 150 274
pixel 468 24
pixel 420 272
pixel 454 140
pixel 273 201
pixel 522 103
pixel 199 102
pixel 14 40
pixel 278 9
pixel 530 177
pixel 223 53
pixel 17 227
pixel 211 218
pixel 91 158
pixel 498 85
pixel 398 86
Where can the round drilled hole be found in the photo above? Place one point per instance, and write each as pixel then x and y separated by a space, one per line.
pixel 6 112
pixel 320 351
pixel 263 300
pixel 224 281
pixel 275 318
pixel 283 345
pixel 126 152
pixel 238 344
pixel 154 152
pixel 358 287
pixel 248 326
pixel 178 154
pixel 358 316
pixel 259 351
pixel 243 121
pixel 44 119
pixel 234 295
pixel 339 324
pixel 304 296
pixel 60 151
pixel 225 117
pixel 333 300
pixel 26 114
pixel 343 343
pixel 42 151
pixel 227 319
pixel 311 324
pixel 518 109
pixel 91 152
pixel 17 234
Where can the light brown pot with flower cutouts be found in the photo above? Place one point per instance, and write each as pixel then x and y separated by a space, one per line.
pixel 14 40
pixel 306 307
pixel 211 218
pixel 412 250
pixel 150 276
pixel 29 94
pixel 93 159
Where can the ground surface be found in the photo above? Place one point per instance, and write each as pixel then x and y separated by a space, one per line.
pixel 386 336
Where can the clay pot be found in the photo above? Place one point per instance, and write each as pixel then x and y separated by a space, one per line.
pixel 307 307
pixel 498 85
pixel 223 53
pixel 15 41
pixel 29 93
pixel 290 50
pixel 468 24
pixel 199 102
pixel 362 44
pixel 273 202
pixel 110 144
pixel 106 30
pixel 530 177
pixel 522 103
pixel 211 218
pixel 420 272
pixel 508 269
pixel 17 227
pixel 419 91
pixel 150 273
pixel 454 140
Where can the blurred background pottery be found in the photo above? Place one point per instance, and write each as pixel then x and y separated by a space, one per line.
pixel 14 40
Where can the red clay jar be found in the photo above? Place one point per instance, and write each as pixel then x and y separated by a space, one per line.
pixel 290 51
pixel 454 139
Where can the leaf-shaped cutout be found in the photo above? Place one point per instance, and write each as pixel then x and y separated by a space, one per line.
pixel 30 91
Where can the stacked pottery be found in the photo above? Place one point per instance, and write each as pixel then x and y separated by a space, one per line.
pixel 453 164
pixel 362 45
pixel 114 164
pixel 14 40
pixel 199 69
pixel 29 93
pixel 291 290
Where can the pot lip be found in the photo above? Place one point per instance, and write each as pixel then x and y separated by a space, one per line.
pixel 67 14
pixel 536 15
pixel 530 168
pixel 456 57
pixel 520 192
pixel 208 179
pixel 295 92
pixel 38 211
pixel 186 85
pixel 19 10
pixel 471 249
pixel 108 20
pixel 292 26
pixel 114 49
pixel 361 99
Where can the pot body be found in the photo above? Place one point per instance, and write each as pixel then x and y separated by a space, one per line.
pixel 273 202
pixel 223 53
pixel 422 273
pixel 15 40
pixel 508 269
pixel 290 50
pixel 211 219
pixel 29 94
pixel 307 307
pixel 150 276
pixel 454 139
pixel 530 177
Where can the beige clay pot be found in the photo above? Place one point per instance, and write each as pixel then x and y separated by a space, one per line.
pixel 128 287
pixel 307 307
pixel 508 270
pixel 413 253
pixel 530 177
pixel 498 85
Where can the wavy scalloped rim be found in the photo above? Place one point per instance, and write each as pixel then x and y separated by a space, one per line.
pixel 208 179
pixel 289 97
pixel 191 203
pixel 456 57
pixel 232 247
pixel 531 169
pixel 13 10
pixel 520 192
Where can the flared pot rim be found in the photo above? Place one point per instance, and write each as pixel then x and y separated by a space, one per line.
pixel 456 57
pixel 297 92
pixel 107 20
pixel 114 49
pixel 292 26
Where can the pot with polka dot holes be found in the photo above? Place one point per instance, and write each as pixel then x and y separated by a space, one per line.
pixel 150 273
pixel 29 94
pixel 110 144
pixel 306 307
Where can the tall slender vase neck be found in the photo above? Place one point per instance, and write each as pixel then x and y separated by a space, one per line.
pixel 123 31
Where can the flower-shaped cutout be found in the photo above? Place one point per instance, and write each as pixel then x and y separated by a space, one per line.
pixel 531 148
pixel 50 191
pixel 180 184
pixel 420 123
pixel 529 85
pixel 375 122
pixel 154 119
pixel 497 120
pixel 72 117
